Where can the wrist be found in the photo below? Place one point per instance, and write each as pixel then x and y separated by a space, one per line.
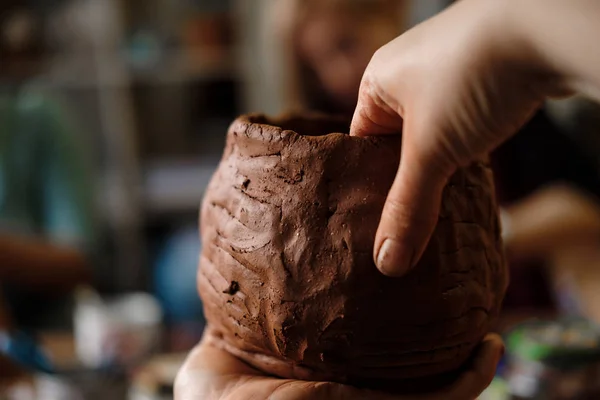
pixel 517 49
pixel 506 225
pixel 560 36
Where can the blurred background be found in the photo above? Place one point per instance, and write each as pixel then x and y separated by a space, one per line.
pixel 113 115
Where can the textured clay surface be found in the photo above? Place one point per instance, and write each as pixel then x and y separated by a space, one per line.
pixel 287 275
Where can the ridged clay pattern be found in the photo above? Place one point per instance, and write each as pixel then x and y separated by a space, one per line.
pixel 287 275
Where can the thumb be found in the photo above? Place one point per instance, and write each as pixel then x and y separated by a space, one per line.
pixel 481 372
pixel 410 213
pixel 374 116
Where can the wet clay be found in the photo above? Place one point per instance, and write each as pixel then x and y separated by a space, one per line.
pixel 287 274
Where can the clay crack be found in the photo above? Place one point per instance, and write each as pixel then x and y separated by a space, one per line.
pixel 208 280
pixel 394 343
pixel 469 311
pixel 462 271
pixel 286 268
pixel 453 288
pixel 292 180
pixel 277 154
pixel 238 262
pixel 247 250
pixel 406 353
pixel 228 212
pixel 261 201
pixel 233 288
pixel 454 251
pixel 465 186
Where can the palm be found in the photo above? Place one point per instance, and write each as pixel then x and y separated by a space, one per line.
pixel 213 374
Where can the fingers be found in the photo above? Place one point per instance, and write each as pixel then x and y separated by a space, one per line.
pixel 472 383
pixel 9 372
pixel 412 207
pixel 469 387
pixel 374 115
pixel 213 374
pixel 409 215
pixel 210 373
pixel 299 390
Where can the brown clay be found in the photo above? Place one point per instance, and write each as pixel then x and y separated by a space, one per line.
pixel 287 276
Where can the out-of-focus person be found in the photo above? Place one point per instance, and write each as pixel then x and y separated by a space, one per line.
pixel 551 236
pixel 549 189
pixel 327 44
pixel 47 217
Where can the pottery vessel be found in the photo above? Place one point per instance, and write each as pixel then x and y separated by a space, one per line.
pixel 287 275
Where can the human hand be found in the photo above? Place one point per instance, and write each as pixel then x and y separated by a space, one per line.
pixel 210 373
pixel 40 266
pixel 456 86
pixel 550 221
pixel 9 373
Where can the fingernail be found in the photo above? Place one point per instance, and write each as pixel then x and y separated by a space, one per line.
pixel 393 258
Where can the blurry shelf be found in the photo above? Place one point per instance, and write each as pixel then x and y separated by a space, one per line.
pixel 182 66
pixel 176 186
pixel 80 71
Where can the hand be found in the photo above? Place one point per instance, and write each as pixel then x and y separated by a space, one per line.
pixel 40 266
pixel 456 86
pixel 36 266
pixel 553 220
pixel 9 372
pixel 210 373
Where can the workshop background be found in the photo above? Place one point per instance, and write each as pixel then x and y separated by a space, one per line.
pixel 113 115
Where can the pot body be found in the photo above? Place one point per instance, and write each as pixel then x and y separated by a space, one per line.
pixel 287 275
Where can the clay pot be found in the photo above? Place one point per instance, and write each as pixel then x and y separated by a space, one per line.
pixel 287 275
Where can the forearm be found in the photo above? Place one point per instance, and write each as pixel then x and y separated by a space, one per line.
pixel 551 220
pixel 562 36
pixel 5 319
pixel 39 266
